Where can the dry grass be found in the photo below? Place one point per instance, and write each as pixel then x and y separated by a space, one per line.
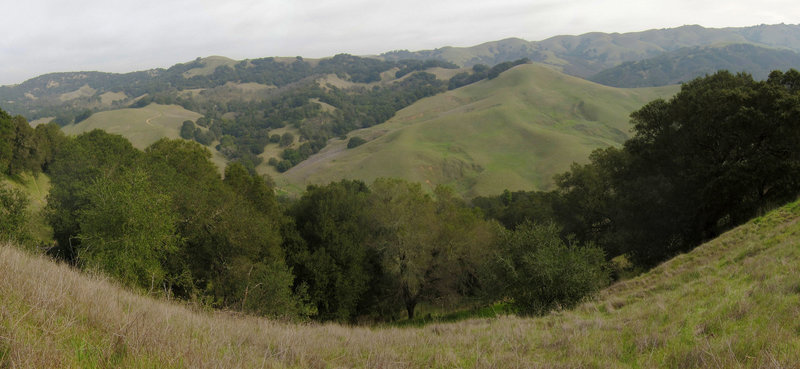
pixel 732 303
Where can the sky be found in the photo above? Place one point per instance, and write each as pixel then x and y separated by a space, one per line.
pixel 45 36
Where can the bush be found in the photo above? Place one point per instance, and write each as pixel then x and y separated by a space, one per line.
pixel 355 142
pixel 283 166
pixel 540 272
pixel 287 139
pixel 13 213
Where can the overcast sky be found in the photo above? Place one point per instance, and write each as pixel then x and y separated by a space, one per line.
pixel 43 36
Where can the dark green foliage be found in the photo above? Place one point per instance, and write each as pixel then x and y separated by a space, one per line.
pixel 274 138
pixel 721 151
pixel 355 142
pixel 411 66
pixel 286 139
pixel 428 249
pixel 204 138
pixel 80 117
pixel 7 134
pixel 514 208
pixel 283 166
pixel 78 163
pixel 165 221
pixel 540 272
pixel 127 229
pixel 481 71
pixel 188 130
pixel 333 261
pixel 13 214
pixel 504 66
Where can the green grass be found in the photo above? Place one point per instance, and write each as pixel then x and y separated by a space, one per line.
pixel 514 132
pixel 142 126
pixel 731 303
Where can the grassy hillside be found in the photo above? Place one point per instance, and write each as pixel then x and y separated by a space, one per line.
pixel 731 303
pixel 514 132
pixel 142 126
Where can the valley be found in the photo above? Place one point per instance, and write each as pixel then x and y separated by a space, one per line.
pixel 602 200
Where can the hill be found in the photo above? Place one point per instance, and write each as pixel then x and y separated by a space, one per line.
pixel 588 54
pixel 142 126
pixel 730 303
pixel 686 64
pixel 513 132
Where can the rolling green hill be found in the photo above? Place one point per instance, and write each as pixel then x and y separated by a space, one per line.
pixel 513 132
pixel 731 303
pixel 686 64
pixel 142 126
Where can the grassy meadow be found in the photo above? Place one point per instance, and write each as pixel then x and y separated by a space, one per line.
pixel 514 132
pixel 731 303
pixel 142 126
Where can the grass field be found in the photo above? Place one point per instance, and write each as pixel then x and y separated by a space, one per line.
pixel 142 126
pixel 731 303
pixel 514 132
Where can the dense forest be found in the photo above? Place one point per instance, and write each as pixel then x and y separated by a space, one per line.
pixel 165 222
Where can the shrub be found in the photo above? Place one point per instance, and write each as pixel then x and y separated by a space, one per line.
pixel 355 142
pixel 540 272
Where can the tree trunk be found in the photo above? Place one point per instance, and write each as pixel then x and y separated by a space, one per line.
pixel 410 305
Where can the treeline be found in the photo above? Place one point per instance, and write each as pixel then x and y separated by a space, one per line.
pixel 723 150
pixel 481 72
pixel 165 222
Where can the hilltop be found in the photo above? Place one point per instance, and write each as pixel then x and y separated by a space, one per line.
pixel 588 54
pixel 686 64
pixel 513 132
pixel 729 303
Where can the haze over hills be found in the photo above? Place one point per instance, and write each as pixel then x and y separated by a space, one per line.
pixel 588 54
pixel 686 64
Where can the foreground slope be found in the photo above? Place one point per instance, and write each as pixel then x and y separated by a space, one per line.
pixel 730 303
pixel 513 132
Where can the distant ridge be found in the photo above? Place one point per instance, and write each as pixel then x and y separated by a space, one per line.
pixel 588 54
pixel 688 63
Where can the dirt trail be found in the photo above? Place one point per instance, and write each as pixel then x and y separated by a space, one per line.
pixel 149 120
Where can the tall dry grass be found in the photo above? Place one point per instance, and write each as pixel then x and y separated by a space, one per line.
pixel 732 303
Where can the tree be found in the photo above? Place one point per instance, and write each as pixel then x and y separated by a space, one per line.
pixel 127 229
pixel 13 213
pixel 78 163
pixel 6 140
pixel 333 260
pixel 355 142
pixel 188 130
pixel 429 250
pixel 286 139
pixel 540 272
